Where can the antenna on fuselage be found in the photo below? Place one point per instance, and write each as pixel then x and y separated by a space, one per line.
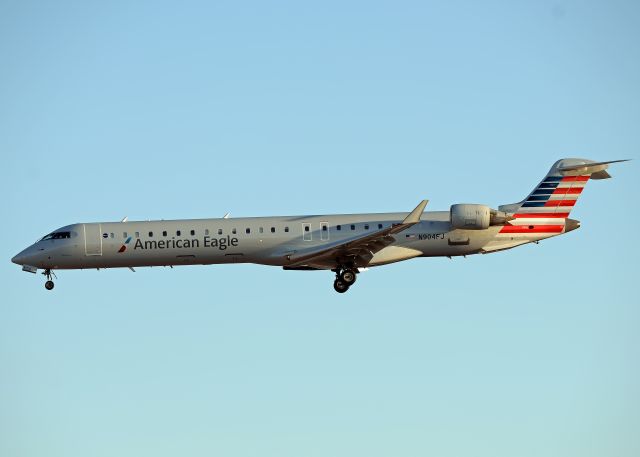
pixel 125 219
pixel 226 216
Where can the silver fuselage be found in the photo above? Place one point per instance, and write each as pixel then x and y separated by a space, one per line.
pixel 260 240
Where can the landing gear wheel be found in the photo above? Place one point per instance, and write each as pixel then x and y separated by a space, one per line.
pixel 348 277
pixel 49 274
pixel 340 286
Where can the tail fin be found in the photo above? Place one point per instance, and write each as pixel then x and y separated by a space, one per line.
pixel 549 204
pixel 545 211
pixel 558 192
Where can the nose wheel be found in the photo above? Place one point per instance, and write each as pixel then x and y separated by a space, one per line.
pixel 345 278
pixel 49 274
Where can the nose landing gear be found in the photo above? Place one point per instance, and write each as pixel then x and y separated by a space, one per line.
pixel 49 274
pixel 345 278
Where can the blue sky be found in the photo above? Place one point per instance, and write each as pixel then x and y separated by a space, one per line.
pixel 176 110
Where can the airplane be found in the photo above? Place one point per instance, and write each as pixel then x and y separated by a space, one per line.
pixel 342 243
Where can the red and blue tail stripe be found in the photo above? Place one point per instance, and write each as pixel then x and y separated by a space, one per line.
pixel 554 197
pixel 546 208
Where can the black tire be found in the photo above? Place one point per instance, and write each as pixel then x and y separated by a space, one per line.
pixel 48 285
pixel 348 276
pixel 340 287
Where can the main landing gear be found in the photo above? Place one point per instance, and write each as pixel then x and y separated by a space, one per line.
pixel 345 278
pixel 49 274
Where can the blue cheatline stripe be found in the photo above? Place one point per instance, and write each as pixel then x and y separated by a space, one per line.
pixel 542 198
pixel 128 239
pixel 548 185
pixel 533 204
pixel 543 192
pixel 553 179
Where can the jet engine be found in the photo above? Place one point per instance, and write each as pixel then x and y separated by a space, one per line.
pixel 476 217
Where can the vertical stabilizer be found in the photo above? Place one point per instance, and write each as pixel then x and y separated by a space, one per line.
pixel 558 192
pixel 549 204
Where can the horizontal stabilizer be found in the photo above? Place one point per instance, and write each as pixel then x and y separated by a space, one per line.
pixel 588 167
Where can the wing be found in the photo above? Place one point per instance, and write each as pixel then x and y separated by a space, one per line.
pixel 358 250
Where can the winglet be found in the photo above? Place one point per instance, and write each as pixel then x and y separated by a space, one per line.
pixel 414 216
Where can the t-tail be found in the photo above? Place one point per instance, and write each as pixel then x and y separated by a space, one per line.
pixel 546 209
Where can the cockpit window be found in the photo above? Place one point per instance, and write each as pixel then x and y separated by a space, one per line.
pixel 57 236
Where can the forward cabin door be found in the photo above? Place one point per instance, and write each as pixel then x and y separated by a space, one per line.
pixel 93 239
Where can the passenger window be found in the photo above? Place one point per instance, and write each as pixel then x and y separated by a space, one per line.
pixel 353 227
pixel 137 234
pixel 177 232
pixel 233 230
pixel 366 226
pixel 124 234
pixel 248 230
pixel 286 229
pixel 150 234
pixel 306 228
pixel 164 233
pixel 219 231
pixel 111 235
pixel 273 230
pixel 338 227
pixel 261 230
pixel 324 228
pixel 379 226
pixel 193 232
pixel 206 232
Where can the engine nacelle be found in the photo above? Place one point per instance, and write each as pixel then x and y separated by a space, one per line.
pixel 470 217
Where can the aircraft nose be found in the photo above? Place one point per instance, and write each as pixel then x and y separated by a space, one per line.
pixel 22 257
pixel 18 259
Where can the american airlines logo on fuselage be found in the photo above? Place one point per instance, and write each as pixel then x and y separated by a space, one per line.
pixel 124 245
pixel 207 242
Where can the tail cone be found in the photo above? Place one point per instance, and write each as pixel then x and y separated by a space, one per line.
pixel 571 224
